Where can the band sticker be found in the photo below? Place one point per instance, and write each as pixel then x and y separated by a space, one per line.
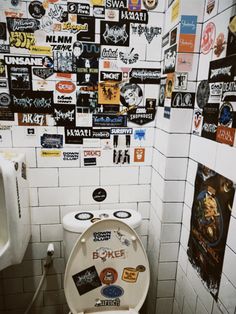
pixel 109 120
pixel 222 70
pixel 89 33
pixel 99 195
pixel 181 80
pixel 203 93
pixel 184 62
pixel 225 135
pixel 182 100
pixel 208 38
pixel 145 76
pixel 226 114
pixel 64 115
pixel 114 33
pixel 22 25
pixel 76 135
pixel 133 16
pixel 87 280
pixel 19 77
pixel 149 32
pixel 51 140
pixel 104 254
pixel 32 101
pixel 121 156
pixel 121 236
pixel 121 131
pixel 31 119
pixel 108 276
pixel 170 59
pixel 112 291
pixel 110 76
pixel 210 121
pixel 108 93
pixel 43 73
pixel 5 110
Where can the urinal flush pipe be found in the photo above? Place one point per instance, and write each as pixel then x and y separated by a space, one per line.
pixel 47 264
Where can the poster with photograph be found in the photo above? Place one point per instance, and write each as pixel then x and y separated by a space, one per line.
pixel 211 211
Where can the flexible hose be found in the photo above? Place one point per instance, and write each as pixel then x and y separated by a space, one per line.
pixel 37 290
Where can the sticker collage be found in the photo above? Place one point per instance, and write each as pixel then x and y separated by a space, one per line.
pixel 214 113
pixel 108 280
pixel 76 65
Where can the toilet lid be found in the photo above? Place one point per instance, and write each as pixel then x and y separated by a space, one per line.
pixel 107 269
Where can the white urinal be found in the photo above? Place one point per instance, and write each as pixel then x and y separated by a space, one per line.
pixel 15 229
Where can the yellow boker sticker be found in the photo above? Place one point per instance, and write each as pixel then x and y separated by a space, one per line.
pixel 50 153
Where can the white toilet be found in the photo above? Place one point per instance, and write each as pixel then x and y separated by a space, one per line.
pixel 107 270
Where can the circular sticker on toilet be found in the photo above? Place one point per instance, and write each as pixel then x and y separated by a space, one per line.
pixel 99 195
pixel 108 276
pixel 208 38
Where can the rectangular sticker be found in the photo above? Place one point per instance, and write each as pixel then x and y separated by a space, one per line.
pixel 109 120
pixel 145 76
pixel 34 102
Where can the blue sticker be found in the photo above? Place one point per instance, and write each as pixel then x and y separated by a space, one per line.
pixel 188 24
pixel 139 134
pixel 112 291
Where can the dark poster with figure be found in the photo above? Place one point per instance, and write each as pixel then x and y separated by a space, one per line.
pixel 211 211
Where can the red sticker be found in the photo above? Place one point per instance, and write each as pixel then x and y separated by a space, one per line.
pixel 208 38
pixel 65 87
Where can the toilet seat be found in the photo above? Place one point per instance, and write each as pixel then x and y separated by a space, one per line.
pixel 107 270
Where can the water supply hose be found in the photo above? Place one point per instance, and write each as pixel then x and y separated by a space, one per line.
pixel 47 264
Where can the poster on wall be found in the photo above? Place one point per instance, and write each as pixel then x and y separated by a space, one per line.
pixel 211 211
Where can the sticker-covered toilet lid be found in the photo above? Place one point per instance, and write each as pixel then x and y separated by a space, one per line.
pixel 107 270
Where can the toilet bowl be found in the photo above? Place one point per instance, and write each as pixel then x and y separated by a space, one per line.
pixel 107 270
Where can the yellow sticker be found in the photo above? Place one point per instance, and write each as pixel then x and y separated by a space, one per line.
pixel 97 2
pixel 175 10
pixel 232 25
pixel 50 153
pixel 41 50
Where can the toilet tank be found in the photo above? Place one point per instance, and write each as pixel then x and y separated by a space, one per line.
pixel 15 228
pixel 75 223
